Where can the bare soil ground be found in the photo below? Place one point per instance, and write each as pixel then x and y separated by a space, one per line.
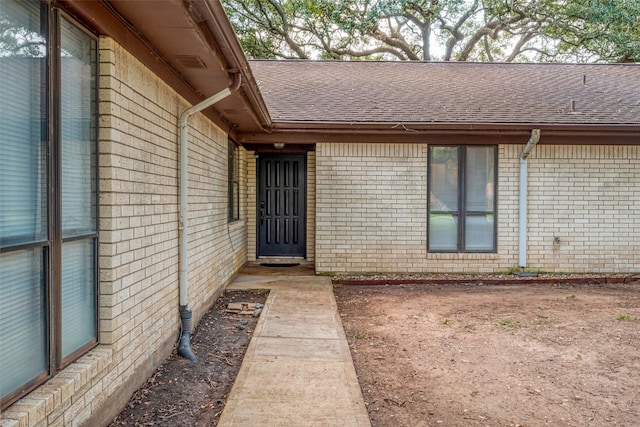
pixel 498 355
pixel 182 393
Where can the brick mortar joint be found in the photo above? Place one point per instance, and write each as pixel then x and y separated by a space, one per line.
pixel 20 411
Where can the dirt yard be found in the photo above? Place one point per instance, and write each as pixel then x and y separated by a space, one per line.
pixel 499 355
pixel 186 394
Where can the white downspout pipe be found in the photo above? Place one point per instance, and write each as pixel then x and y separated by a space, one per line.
pixel 184 346
pixel 522 239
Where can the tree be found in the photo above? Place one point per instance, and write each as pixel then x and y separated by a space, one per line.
pixel 462 30
pixel 606 30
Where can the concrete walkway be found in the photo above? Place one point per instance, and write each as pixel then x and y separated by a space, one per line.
pixel 298 369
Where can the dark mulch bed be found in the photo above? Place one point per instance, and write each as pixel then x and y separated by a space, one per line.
pixel 183 393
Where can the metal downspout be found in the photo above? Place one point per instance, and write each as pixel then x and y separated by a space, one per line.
pixel 522 237
pixel 184 345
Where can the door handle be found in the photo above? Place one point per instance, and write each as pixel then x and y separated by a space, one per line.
pixel 261 213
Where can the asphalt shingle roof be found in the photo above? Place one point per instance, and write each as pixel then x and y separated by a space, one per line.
pixel 454 92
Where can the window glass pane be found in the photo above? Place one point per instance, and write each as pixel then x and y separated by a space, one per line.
pixel 444 179
pixel 236 182
pixel 23 343
pixel 78 295
pixel 479 232
pixel 236 204
pixel 480 178
pixel 476 169
pixel 78 80
pixel 443 232
pixel 23 203
pixel 233 179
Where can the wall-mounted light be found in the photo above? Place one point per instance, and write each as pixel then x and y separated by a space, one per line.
pixel 278 145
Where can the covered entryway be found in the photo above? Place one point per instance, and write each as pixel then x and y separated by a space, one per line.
pixel 281 204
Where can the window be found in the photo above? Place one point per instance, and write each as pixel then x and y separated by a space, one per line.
pixel 234 181
pixel 462 203
pixel 48 218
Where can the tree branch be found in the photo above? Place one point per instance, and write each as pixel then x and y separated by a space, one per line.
pixel 286 31
pixel 517 49
pixel 491 29
pixel 425 33
pixel 487 48
pixel 456 34
pixel 360 53
pixel 397 43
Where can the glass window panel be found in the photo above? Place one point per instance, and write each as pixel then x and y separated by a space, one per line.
pixel 444 179
pixel 476 169
pixel 78 80
pixel 479 178
pixel 234 181
pixel 78 295
pixel 23 203
pixel 23 342
pixel 236 204
pixel 479 232
pixel 443 232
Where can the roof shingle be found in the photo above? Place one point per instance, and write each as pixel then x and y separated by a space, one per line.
pixel 449 93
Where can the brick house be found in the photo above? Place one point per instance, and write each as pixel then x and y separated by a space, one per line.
pixel 106 250
pixel 418 166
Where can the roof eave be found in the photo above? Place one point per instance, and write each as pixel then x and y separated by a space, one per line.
pixel 456 126
pixel 220 27
pixel 211 37
pixel 309 132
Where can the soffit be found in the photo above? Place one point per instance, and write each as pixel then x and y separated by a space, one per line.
pixel 190 44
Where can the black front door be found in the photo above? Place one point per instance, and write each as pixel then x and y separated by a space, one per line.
pixel 281 205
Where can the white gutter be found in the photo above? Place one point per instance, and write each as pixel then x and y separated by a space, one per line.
pixel 184 348
pixel 522 239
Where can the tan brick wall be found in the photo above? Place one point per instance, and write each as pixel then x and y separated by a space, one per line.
pixel 508 200
pixel 252 191
pixel 371 206
pixel 138 303
pixel 597 227
pixel 311 206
